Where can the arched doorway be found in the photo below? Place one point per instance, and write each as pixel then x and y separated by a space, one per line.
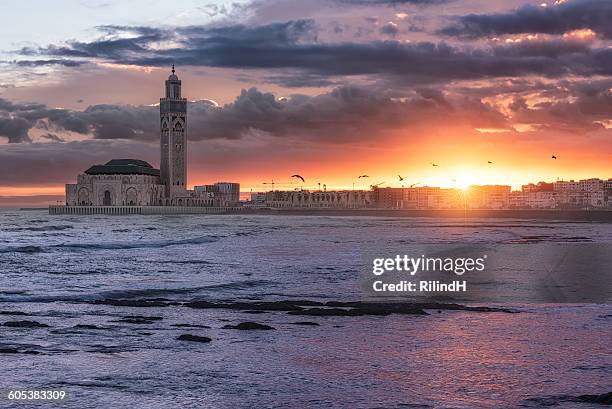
pixel 107 198
pixel 83 197
pixel 131 197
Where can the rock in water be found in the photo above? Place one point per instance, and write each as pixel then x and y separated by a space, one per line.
pixel 138 319
pixel 12 313
pixel 28 249
pixel 24 324
pixel 249 326
pixel 603 399
pixel 87 326
pixel 193 338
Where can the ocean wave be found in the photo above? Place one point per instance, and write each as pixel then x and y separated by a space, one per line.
pixel 137 244
pixel 149 294
pixel 143 293
pixel 151 297
pixel 549 238
pixel 25 298
pixel 22 249
pixel 195 262
pixel 59 227
pixel 604 399
pixel 238 285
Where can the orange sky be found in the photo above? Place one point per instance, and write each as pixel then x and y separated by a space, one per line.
pixel 461 161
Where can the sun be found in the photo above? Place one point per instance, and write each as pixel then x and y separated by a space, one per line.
pixel 464 178
pixel 463 184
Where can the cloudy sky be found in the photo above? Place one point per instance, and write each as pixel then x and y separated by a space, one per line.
pixel 330 89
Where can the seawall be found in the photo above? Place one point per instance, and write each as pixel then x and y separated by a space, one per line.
pixel 571 215
pixel 144 210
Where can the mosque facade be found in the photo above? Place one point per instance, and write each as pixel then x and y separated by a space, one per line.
pixel 133 182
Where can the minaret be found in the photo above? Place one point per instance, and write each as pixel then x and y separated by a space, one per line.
pixel 173 113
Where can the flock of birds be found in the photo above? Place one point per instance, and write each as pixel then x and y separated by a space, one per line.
pixel 400 177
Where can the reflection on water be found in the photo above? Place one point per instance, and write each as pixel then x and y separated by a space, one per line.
pixel 54 268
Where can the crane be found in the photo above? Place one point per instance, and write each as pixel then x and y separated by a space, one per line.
pixel 269 183
pixel 273 183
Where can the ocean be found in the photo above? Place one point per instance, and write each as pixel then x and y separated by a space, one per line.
pixel 113 295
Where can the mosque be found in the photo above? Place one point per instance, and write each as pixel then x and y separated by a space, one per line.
pixel 133 182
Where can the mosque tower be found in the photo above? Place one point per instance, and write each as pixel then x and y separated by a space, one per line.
pixel 173 114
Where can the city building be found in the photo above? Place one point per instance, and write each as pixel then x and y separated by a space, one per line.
pixel 608 193
pixel 221 193
pixel 488 196
pixel 422 197
pixel 581 195
pixel 119 182
pixel 584 194
pixel 348 199
pixel 256 200
pixel 133 182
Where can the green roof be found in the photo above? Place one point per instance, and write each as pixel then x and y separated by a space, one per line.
pixel 123 167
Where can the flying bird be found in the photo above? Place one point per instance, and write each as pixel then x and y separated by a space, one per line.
pixel 489 162
pixel 554 157
pixel 401 179
pixel 363 176
pixel 299 177
pixel 434 164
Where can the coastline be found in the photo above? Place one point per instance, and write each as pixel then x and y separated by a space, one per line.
pixel 571 215
pixel 538 214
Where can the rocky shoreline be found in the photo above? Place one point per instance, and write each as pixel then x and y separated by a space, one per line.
pixel 307 307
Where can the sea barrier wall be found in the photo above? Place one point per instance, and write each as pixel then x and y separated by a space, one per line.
pixel 543 214
pixel 127 210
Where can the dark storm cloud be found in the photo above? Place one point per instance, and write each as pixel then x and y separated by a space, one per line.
pixel 552 49
pixel 346 113
pixel 552 19
pixel 15 129
pixel 196 41
pixel 122 121
pixel 103 121
pixel 575 107
pixel 390 29
pixel 109 48
pixel 42 63
pixel 31 114
pixel 350 114
pixel 292 49
pixel 281 34
pixel 297 81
